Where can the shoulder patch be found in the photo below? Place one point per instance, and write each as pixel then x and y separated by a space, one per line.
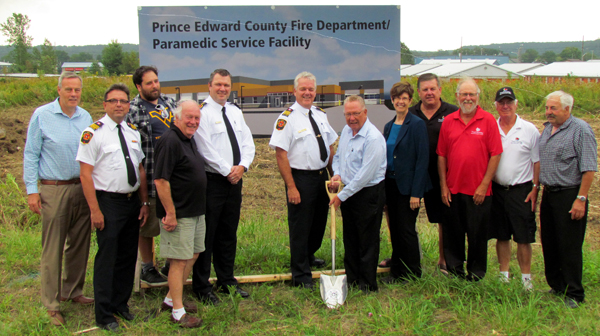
pixel 132 126
pixel 320 109
pixel 280 124
pixel 96 125
pixel 288 112
pixel 202 105
pixel 86 136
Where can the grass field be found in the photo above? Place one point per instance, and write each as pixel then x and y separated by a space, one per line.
pixel 433 305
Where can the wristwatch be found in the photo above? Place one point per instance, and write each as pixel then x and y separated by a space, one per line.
pixel 581 198
pixel 146 203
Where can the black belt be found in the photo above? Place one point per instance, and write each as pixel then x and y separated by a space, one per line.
pixel 61 182
pixel 215 176
pixel 115 195
pixel 553 189
pixel 309 172
pixel 514 186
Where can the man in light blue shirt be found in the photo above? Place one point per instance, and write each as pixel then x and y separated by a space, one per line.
pixel 53 138
pixel 360 163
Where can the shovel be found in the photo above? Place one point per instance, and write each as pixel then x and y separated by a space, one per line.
pixel 334 289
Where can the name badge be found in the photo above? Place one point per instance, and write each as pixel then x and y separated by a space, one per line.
pixel 218 122
pixel 302 130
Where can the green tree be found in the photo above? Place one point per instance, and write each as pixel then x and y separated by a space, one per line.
pixel 530 55
pixel 112 57
pixel 48 60
pixel 131 61
pixel 15 30
pixel 61 57
pixel 570 53
pixel 95 69
pixel 407 56
pixel 82 57
pixel 548 57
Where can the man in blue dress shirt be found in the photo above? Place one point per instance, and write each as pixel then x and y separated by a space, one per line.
pixel 49 157
pixel 360 163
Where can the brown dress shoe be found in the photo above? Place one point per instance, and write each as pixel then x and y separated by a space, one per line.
pixel 189 307
pixel 188 321
pixel 56 318
pixel 82 300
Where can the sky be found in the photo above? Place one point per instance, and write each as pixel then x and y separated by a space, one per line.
pixel 425 25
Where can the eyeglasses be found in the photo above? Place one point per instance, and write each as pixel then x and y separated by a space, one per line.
pixel 353 114
pixel 115 101
pixel 467 94
pixel 163 111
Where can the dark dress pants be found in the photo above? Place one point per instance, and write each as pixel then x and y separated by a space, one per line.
pixel 362 214
pixel 464 217
pixel 114 266
pixel 223 203
pixel 307 221
pixel 562 240
pixel 406 254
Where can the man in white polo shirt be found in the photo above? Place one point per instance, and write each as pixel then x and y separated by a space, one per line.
pixel 515 187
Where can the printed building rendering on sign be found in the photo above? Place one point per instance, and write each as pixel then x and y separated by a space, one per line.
pixel 262 45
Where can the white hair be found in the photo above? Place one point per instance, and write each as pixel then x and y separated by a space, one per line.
pixel 177 111
pixel 307 75
pixel 467 80
pixel 566 100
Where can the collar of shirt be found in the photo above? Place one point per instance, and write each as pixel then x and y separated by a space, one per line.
pixel 478 115
pixel 299 108
pixel 56 108
pixel 561 127
pixel 111 124
pixel 180 134
pixel 517 126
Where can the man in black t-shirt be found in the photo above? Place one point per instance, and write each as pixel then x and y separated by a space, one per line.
pixel 180 182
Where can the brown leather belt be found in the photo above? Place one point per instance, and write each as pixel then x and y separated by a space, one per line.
pixel 61 182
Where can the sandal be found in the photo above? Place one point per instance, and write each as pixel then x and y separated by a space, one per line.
pixel 443 269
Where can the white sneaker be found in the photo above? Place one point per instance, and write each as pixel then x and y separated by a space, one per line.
pixel 527 284
pixel 504 278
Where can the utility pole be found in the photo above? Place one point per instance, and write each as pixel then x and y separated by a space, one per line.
pixel 582 39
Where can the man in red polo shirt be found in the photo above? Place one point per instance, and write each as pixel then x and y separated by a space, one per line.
pixel 469 150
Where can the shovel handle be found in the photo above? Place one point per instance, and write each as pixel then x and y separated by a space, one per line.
pixel 332 208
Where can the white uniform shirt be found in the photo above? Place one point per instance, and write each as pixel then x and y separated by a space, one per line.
pixel 103 151
pixel 294 133
pixel 212 139
pixel 520 151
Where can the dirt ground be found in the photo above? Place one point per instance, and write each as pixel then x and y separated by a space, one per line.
pixel 263 188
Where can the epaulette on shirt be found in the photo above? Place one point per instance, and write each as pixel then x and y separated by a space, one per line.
pixel 320 109
pixel 96 125
pixel 288 112
pixel 86 136
pixel 132 126
pixel 202 105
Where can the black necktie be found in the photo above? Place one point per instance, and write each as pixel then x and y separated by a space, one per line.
pixel 322 148
pixel 131 178
pixel 235 148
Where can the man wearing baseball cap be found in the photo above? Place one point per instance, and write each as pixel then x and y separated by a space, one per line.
pixel 515 187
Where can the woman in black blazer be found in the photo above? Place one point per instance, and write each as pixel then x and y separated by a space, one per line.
pixel 406 182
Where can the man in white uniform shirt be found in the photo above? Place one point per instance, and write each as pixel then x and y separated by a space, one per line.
pixel 515 187
pixel 114 185
pixel 303 139
pixel 225 142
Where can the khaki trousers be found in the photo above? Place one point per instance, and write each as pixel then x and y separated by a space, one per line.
pixel 66 228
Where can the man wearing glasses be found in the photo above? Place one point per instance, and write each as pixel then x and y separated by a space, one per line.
pixel 114 185
pixel 360 163
pixel 152 114
pixel 469 149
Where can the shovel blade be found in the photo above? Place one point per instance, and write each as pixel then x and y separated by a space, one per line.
pixel 334 290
